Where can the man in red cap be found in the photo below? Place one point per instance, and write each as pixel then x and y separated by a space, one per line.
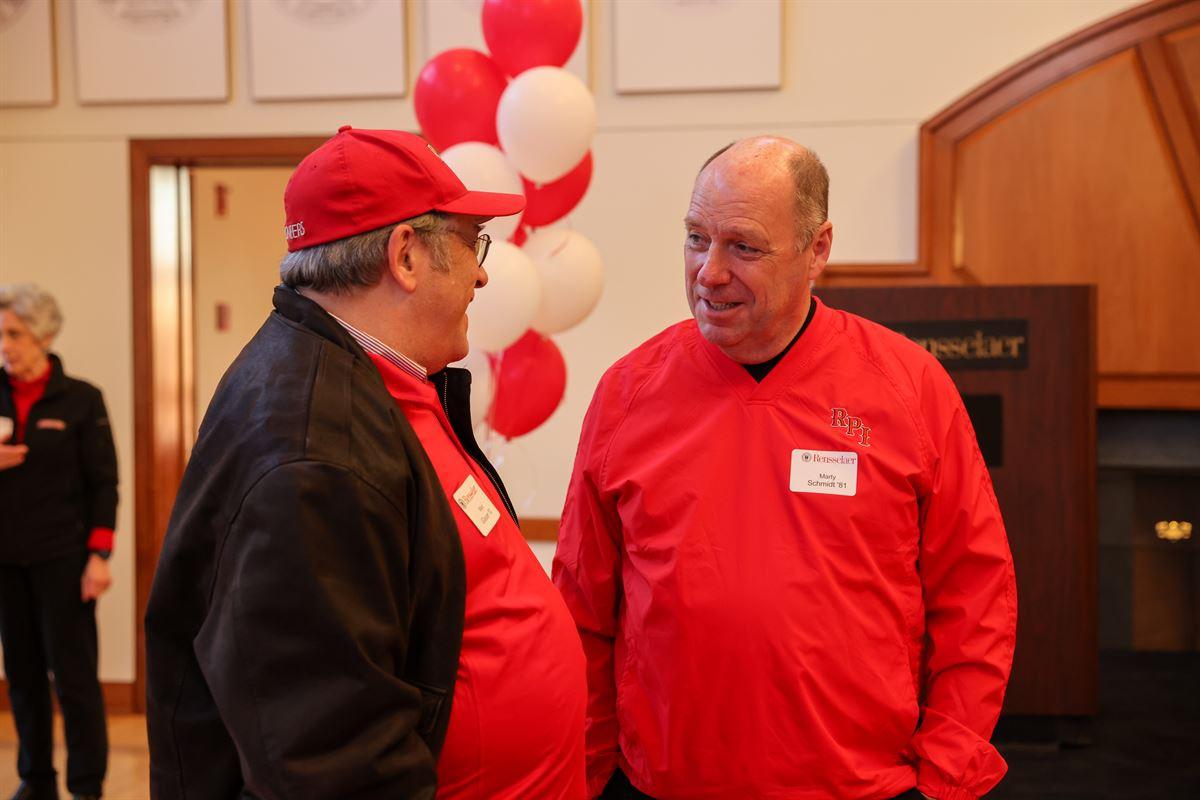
pixel 345 607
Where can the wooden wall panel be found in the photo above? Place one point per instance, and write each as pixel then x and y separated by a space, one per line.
pixel 1045 482
pixel 1079 184
pixel 1079 164
pixel 1184 46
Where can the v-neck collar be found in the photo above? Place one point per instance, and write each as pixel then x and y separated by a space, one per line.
pixel 791 367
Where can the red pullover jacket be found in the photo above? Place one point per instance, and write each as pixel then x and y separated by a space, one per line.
pixel 516 723
pixel 799 588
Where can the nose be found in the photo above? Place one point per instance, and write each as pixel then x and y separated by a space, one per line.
pixel 714 271
pixel 481 278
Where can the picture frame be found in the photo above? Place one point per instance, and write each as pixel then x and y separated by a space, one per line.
pixel 450 24
pixel 151 51
pixel 667 45
pixel 27 62
pixel 326 49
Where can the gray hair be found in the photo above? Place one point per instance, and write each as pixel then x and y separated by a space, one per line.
pixel 811 181
pixel 812 193
pixel 342 265
pixel 34 306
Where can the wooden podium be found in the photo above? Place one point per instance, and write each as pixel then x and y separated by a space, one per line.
pixel 1023 358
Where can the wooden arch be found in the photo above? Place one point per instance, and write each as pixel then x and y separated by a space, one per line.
pixel 1080 164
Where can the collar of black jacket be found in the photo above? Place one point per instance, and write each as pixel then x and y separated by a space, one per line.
pixel 453 385
pixel 298 308
pixel 57 382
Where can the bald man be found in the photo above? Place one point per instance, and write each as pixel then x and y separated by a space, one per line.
pixel 780 544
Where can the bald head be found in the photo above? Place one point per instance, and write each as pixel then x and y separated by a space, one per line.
pixel 756 239
pixel 793 168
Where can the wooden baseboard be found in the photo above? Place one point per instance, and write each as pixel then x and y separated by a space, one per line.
pixel 118 697
pixel 540 529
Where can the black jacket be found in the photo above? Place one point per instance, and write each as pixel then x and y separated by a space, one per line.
pixel 304 627
pixel 67 484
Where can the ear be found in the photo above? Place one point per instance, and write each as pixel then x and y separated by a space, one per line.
pixel 402 253
pixel 822 244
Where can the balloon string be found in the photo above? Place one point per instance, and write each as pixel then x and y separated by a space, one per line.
pixel 494 366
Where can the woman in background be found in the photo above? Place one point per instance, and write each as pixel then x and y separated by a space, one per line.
pixel 58 503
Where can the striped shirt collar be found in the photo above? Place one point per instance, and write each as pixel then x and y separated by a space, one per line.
pixel 372 345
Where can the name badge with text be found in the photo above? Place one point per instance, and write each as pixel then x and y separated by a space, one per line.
pixel 476 505
pixel 824 472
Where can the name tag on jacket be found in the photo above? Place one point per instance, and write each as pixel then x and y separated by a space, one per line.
pixel 478 508
pixel 51 425
pixel 824 472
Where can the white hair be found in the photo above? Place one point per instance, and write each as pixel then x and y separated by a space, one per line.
pixel 34 306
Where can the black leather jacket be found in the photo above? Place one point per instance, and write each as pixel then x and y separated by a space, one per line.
pixel 67 484
pixel 304 627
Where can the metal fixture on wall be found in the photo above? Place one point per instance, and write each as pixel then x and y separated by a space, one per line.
pixel 1173 531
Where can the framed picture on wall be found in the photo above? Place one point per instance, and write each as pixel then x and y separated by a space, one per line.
pixel 669 45
pixel 326 49
pixel 151 51
pixel 459 23
pixel 26 53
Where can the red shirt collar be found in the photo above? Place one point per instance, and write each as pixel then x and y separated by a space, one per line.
pixel 38 384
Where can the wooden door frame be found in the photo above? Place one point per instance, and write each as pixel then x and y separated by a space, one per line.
pixel 160 441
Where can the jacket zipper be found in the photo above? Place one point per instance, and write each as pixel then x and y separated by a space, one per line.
pixel 483 464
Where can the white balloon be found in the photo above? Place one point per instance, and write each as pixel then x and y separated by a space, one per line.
pixel 483 168
pixel 503 310
pixel 482 384
pixel 518 469
pixel 545 121
pixel 572 277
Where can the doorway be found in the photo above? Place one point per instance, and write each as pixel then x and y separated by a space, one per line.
pixel 167 386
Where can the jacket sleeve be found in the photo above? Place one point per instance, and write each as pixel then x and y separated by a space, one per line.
pixel 306 635
pixel 98 460
pixel 970 593
pixel 587 572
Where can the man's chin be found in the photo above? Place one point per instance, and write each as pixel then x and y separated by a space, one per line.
pixel 720 337
pixel 733 344
pixel 461 348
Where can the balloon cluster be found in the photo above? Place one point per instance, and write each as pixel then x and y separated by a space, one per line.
pixel 513 120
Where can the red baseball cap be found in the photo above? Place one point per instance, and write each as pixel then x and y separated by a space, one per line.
pixel 362 180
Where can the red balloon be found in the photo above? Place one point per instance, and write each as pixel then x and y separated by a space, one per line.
pixel 531 33
pixel 456 97
pixel 552 201
pixel 530 377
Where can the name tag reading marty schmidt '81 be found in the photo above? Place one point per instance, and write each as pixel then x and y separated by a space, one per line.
pixel 476 505
pixel 824 472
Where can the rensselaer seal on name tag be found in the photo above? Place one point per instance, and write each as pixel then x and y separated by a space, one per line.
pixel 10 10
pixel 323 12
pixel 150 15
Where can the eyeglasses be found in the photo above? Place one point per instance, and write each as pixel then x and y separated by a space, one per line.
pixel 482 244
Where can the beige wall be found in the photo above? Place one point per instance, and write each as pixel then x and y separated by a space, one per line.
pixel 859 79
